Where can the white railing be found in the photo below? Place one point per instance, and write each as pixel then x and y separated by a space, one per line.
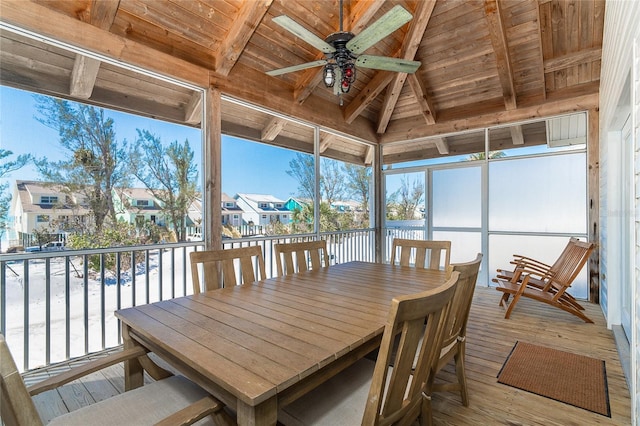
pixel 59 305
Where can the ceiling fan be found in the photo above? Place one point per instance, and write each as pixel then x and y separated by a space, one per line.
pixel 343 49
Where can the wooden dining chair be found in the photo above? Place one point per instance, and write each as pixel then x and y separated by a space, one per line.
pixel 170 401
pixel 455 332
pixel 386 391
pixel 292 258
pixel 426 254
pixel 249 259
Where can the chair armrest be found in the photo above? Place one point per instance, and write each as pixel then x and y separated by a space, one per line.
pixel 197 411
pixel 529 260
pixel 88 368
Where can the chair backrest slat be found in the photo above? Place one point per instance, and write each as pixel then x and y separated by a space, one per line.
pixel 437 252
pixel 570 263
pixel 292 258
pixel 248 258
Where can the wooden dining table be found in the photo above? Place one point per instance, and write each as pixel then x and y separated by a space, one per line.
pixel 260 346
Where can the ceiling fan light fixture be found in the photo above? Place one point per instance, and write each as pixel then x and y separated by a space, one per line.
pixel 329 75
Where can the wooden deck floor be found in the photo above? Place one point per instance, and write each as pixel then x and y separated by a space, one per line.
pixel 490 339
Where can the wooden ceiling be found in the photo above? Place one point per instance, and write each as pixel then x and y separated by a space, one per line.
pixel 484 63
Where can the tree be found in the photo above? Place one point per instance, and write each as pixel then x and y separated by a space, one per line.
pixel 332 181
pixel 406 199
pixel 96 162
pixel 482 155
pixel 6 167
pixel 358 184
pixel 169 173
pixel 302 169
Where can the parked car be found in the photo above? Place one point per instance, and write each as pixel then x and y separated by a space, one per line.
pixel 194 237
pixel 53 246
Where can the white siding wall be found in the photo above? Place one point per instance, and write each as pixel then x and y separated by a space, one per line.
pixel 621 30
pixel 635 123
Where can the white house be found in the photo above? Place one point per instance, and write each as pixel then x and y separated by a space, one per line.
pixel 45 206
pixel 231 213
pixel 262 209
pixel 138 205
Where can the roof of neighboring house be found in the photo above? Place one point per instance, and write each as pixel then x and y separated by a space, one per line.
pixel 137 193
pixel 254 200
pixel 26 189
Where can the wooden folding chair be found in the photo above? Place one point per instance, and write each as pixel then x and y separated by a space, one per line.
pixel 249 259
pixel 424 254
pixel 292 258
pixel 388 391
pixel 169 401
pixel 549 286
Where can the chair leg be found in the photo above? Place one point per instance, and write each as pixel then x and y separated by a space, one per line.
pixel 460 373
pixel 504 299
pixel 426 415
pixel 512 305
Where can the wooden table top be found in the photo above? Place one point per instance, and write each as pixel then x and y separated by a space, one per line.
pixel 254 341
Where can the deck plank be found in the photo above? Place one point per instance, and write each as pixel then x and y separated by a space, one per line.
pixel 490 338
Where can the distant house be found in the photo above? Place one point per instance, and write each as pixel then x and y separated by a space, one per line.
pixel 42 205
pixel 346 206
pixel 262 209
pixel 193 222
pixel 231 213
pixel 137 206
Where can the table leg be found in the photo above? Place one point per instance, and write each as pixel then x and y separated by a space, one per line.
pixel 263 414
pixel 133 372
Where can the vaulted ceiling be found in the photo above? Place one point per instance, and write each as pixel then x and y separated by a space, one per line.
pixel 483 62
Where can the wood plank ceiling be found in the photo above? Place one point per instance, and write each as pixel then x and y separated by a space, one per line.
pixel 484 62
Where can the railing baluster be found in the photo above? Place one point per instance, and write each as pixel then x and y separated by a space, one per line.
pixel 67 302
pixel 146 274
pixel 25 292
pixel 160 268
pixel 102 301
pixel 119 287
pixel 133 281
pixel 173 273
pixel 85 281
pixel 47 308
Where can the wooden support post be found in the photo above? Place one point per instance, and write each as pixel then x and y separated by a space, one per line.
pixel 593 183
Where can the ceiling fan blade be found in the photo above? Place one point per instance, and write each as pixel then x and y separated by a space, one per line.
pixel 301 32
pixel 387 64
pixel 297 67
pixel 388 23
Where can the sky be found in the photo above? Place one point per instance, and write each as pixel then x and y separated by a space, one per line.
pixel 248 167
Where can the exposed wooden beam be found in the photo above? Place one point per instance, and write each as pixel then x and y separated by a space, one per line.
pixel 540 54
pixel 442 145
pixel 572 59
pixel 367 95
pixel 369 155
pixel 272 129
pixel 85 69
pixel 326 139
pixel 244 25
pixel 83 76
pixel 499 42
pixel 413 128
pixel 193 109
pixel 361 13
pixel 42 20
pixel 426 105
pixel 409 48
pixel 517 137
